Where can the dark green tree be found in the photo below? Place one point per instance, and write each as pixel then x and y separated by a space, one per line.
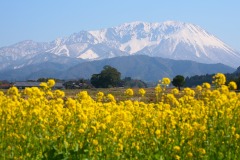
pixel 178 81
pixel 95 80
pixel 42 79
pixel 133 83
pixel 109 77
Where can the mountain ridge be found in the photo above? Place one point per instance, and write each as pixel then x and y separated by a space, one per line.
pixel 169 39
pixel 141 67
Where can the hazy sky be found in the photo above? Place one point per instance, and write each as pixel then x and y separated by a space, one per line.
pixel 46 20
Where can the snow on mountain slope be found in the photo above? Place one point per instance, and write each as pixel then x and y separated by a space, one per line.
pixel 174 40
pixel 170 39
pixel 89 54
pixel 60 50
pixel 183 41
pixel 24 48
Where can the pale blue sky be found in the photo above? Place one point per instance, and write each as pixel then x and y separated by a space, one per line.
pixel 46 20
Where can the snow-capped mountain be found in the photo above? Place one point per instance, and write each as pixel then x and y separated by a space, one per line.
pixel 170 39
pixel 22 49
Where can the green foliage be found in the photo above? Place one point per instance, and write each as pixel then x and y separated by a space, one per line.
pixel 109 77
pixel 178 81
pixel 133 83
pixel 78 84
pixel 45 80
pixel 198 80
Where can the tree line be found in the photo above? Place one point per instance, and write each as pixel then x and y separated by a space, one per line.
pixel 111 77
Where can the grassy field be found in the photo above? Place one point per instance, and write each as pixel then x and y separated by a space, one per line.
pixel 118 93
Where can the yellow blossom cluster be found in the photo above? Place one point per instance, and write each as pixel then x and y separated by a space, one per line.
pixel 141 92
pixel 40 123
pixel 232 85
pixel 129 92
pixel 219 79
pixel 166 81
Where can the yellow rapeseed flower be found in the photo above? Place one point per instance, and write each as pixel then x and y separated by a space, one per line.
pixel 111 98
pixel 157 132
pixel 95 142
pixel 219 79
pixel 175 91
pixel 166 81
pixel 237 136
pixel 13 91
pixel 100 96
pixel 189 154
pixel 177 157
pixel 141 91
pixel 44 85
pixel 202 150
pixel 158 89
pixel 232 85
pixel 199 88
pixel 81 130
pixel 176 148
pixel 50 83
pixel 58 94
pixel 129 92
pixel 206 85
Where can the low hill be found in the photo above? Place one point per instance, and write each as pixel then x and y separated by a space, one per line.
pixel 146 68
pixel 141 67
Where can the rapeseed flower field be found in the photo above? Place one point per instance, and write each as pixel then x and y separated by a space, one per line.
pixel 199 123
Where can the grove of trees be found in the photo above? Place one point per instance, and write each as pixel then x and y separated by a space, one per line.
pixel 108 77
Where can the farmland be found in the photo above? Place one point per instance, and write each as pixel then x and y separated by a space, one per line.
pixel 120 123
pixel 118 93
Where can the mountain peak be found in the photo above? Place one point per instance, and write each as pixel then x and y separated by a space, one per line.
pixel 169 39
pixel 153 25
pixel 173 23
pixel 134 23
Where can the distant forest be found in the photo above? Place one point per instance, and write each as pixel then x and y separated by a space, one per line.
pixel 199 79
pixel 192 81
